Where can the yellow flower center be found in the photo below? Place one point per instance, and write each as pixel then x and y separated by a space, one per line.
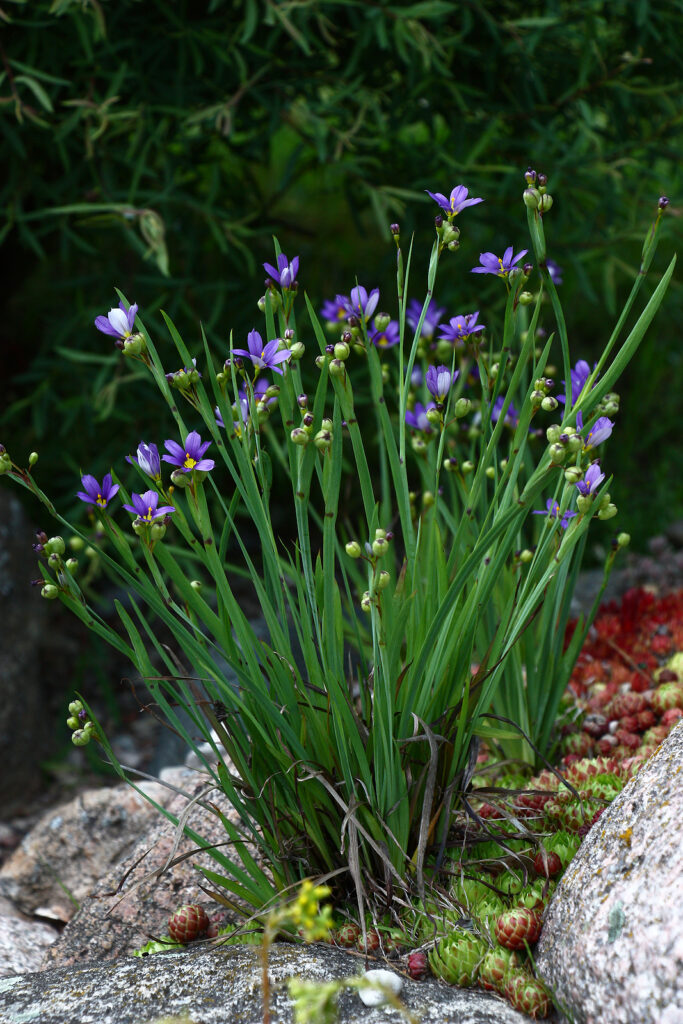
pixel 189 462
pixel 101 501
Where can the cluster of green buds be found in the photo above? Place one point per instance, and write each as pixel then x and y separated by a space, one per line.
pixel 53 548
pixel 374 550
pixel 303 434
pixel 185 378
pixel 563 441
pixel 536 195
pixel 609 406
pixel 82 727
pixel 447 233
pixel 541 397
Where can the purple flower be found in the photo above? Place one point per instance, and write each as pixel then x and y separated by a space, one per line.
pixel 500 266
pixel 359 303
pixel 286 272
pixel 260 387
pixel 335 311
pixel 118 322
pixel 591 481
pixel 555 271
pixel 458 200
pixel 599 432
pixel 417 417
pixel 145 506
pixel 189 457
pixel 579 375
pixel 439 380
pixel 552 510
pixel 264 357
pixel 147 459
pixel 387 338
pixel 460 328
pixel 96 495
pixel 432 317
pixel 511 416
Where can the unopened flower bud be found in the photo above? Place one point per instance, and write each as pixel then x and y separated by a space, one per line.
pixel 558 453
pixel 49 592
pixel 525 555
pixel 33 458
pixel 623 540
pixel 157 531
pixel 380 533
pixel 549 403
pixel 574 444
pixel 81 737
pixel 611 408
pixel 395 230
pixel 542 180
pixel 453 246
pixel 134 345
pixel 342 351
pixel 663 202
pixel 55 546
pixel 382 321
pixel 450 465
pixel 438 222
pixel 307 421
pixel 73 723
pixel 536 399
pixel 72 565
pixel 180 479
pixel 196 585
pixel 139 527
pixel 262 304
pixel 462 407
pixel 583 503
pixel 54 560
pixel 75 707
pixel 490 472
pixel 525 298
pixel 323 440
pixel 365 602
pixel 5 463
pixel 544 203
pixel 467 466
pixel 272 391
pixel 383 580
pixel 605 499
pixel 300 436
pixel 336 368
pixel 302 401
pixel 353 549
pixel 531 198
pixel 380 546
pixel 573 474
pixel 297 350
pixel 530 176
pixel 289 334
pixel 434 417
pixel 608 512
pixel 320 361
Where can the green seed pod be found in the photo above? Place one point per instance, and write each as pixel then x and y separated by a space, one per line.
pixel 365 602
pixel 623 540
pixel 383 580
pixel 549 404
pixel 139 527
pixel 607 513
pixel 490 472
pixel 342 351
pixel 320 361
pixel 55 546
pixel 380 533
pixel 428 499
pixel 575 444
pixel 54 560
pixel 525 298
pixel 553 433
pixel 544 203
pixel 583 503
pixel 462 407
pixel 80 738
pixel 33 458
pixel 353 549
pixel 157 531
pixel 299 436
pixel 558 453
pixel 180 479
pixel 49 592
pixel 526 556
pixel 418 444
pixel 73 723
pixel 337 368
pixel 72 565
pixel 75 706
pixel 467 466
pixel 531 198
pixel 323 440
pixel 573 474
pixel 382 321
pixel 434 417
pixel 196 585
pixel 380 546
pixel 273 391
pixel 134 345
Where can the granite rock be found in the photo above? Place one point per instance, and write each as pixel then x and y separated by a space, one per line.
pixel 612 942
pixel 223 986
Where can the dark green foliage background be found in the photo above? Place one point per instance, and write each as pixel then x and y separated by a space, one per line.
pixel 158 146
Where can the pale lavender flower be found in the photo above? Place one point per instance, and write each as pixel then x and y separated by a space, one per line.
pixel 579 375
pixel 498 265
pixel 417 417
pixel 93 494
pixel 599 432
pixel 591 481
pixel 552 510
pixel 146 506
pixel 439 380
pixel 511 416
pixel 264 357
pixel 456 202
pixel 119 322
pixel 285 273
pixel 147 459
pixel 359 303
pixel 432 317
pixel 189 457
pixel 390 336
pixel 336 311
pixel 460 328
pixel 555 271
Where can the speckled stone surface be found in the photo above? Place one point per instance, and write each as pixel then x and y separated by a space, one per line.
pixel 223 987
pixel 612 942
